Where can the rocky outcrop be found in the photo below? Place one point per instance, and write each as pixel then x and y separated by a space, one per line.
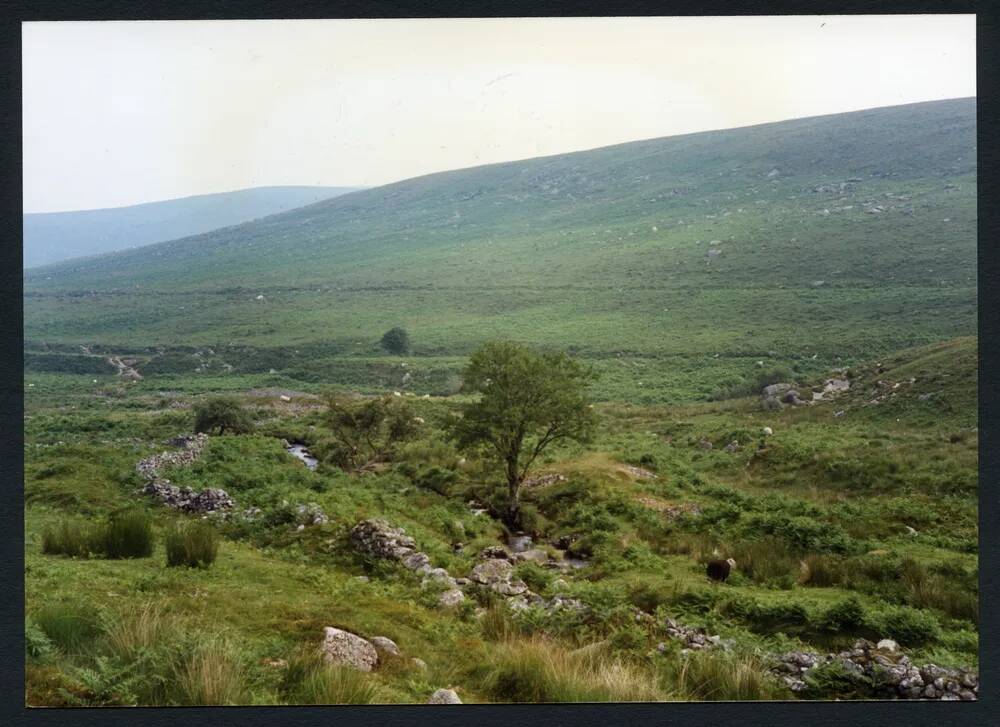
pixel 498 576
pixel 376 538
pixel 692 639
pixel 891 673
pixel 190 449
pixel 347 649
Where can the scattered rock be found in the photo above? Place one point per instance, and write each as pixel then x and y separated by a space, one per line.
pixel 887 645
pixel 732 446
pixel 345 648
pixel 376 538
pixel 444 696
pixel 418 663
pixel 498 575
pixel 767 431
pixel 384 645
pixel 543 480
pixel 451 598
pixel 704 444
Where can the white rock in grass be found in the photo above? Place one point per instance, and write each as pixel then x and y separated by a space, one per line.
pixel 444 696
pixel 343 647
pixel 385 645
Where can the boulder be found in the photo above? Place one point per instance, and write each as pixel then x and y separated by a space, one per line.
pixel 887 645
pixel 535 555
pixel 498 575
pixel 378 539
pixel 451 598
pixel 444 696
pixel 775 390
pixel 385 645
pixel 347 649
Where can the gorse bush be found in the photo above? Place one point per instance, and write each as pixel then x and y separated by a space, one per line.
pixel 193 544
pixel 71 537
pixel 128 534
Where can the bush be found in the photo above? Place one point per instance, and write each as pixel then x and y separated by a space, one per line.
pixel 128 534
pixel 68 626
pixel 537 577
pixel 222 413
pixel 70 537
pixel 846 616
pixel 908 626
pixel 193 544
pixel 396 340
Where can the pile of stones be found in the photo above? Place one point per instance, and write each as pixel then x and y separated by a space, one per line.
pixel 208 501
pixel 691 638
pixel 310 514
pixel 882 665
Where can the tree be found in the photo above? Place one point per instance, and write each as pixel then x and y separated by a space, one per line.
pixel 366 433
pixel 527 401
pixel 223 413
pixel 396 340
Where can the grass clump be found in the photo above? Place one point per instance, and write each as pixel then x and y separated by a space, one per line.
pixel 194 545
pixel 309 680
pixel 70 537
pixel 70 627
pixel 537 670
pixel 212 675
pixel 128 534
pixel 720 676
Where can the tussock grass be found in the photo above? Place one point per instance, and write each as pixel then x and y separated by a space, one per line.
pixel 765 560
pixel 212 675
pixel 70 537
pixel 720 676
pixel 128 534
pixel 309 680
pixel 821 571
pixel 137 628
pixel 194 544
pixel 71 627
pixel 538 670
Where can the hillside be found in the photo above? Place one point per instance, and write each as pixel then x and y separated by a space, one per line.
pixel 55 236
pixel 673 264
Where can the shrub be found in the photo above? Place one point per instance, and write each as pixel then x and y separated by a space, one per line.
pixel 128 534
pixel 70 537
pixel 846 616
pixel 222 413
pixel 908 626
pixel 68 626
pixel 193 544
pixel 537 577
pixel 396 340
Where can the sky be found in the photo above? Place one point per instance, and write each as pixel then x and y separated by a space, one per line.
pixel 119 113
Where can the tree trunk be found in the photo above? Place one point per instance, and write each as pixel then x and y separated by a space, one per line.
pixel 513 494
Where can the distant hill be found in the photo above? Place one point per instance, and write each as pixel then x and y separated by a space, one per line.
pixel 674 264
pixel 53 236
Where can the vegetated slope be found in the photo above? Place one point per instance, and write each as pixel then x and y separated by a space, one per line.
pixel 840 237
pixel 51 237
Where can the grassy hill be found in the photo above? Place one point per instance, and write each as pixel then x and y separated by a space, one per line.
pixel 50 237
pixel 673 264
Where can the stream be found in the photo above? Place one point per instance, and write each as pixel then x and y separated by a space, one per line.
pixel 521 543
pixel 300 452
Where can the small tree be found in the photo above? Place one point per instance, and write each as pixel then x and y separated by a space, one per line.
pixel 221 413
pixel 397 341
pixel 528 401
pixel 366 433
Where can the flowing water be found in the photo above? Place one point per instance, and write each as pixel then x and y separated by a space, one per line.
pixel 299 451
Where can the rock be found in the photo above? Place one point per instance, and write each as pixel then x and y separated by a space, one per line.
pixel 887 645
pixel 384 645
pixel 775 389
pixel 418 663
pixel 345 648
pixel 451 598
pixel 498 576
pixel 839 413
pixel 416 561
pixel 535 555
pixel 911 531
pixel 704 444
pixel 378 539
pixel 495 552
pixel 543 480
pixel 285 399
pixel 732 446
pixel 790 397
pixel 767 431
pixel 444 696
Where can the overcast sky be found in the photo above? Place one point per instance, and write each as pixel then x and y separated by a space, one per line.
pixel 118 113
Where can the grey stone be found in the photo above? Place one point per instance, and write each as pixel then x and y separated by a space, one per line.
pixel 345 648
pixel 444 696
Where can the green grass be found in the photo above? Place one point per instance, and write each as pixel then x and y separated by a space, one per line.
pixel 194 544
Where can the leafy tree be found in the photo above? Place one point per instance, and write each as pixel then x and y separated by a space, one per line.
pixel 366 433
pixel 396 340
pixel 221 413
pixel 528 401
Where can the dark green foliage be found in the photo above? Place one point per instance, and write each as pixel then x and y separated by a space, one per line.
pixel 365 433
pixel 37 644
pixel 192 544
pixel 221 414
pixel 527 401
pixel 833 681
pixel 908 626
pixel 68 626
pixel 846 616
pixel 71 537
pixel 128 534
pixel 396 341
